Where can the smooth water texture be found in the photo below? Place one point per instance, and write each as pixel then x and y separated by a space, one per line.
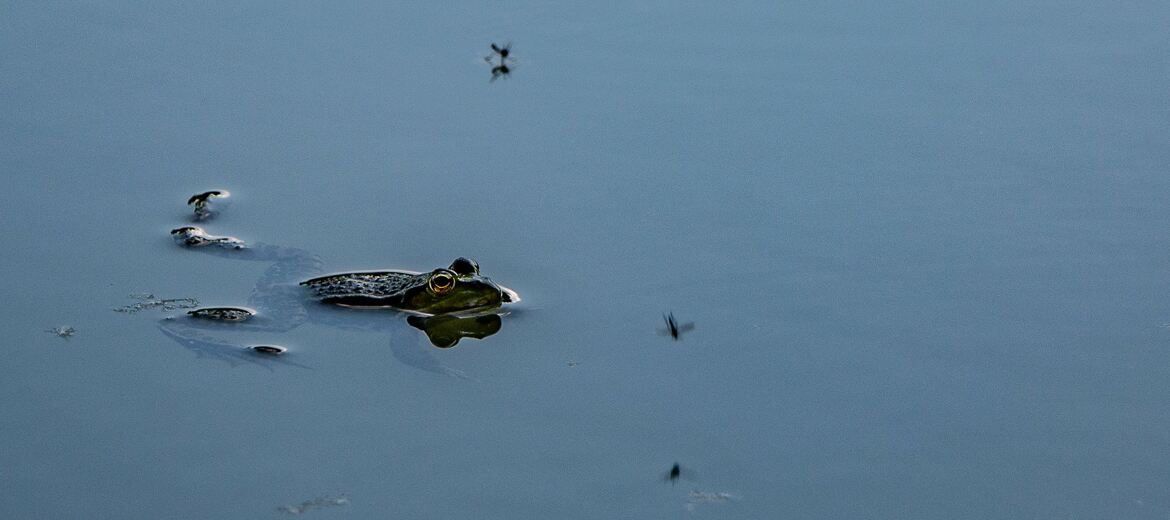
pixel 924 246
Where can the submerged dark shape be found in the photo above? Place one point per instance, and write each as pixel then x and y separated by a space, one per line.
pixel 673 328
pixel 270 350
pixel 208 346
pixel 445 330
pixel 223 313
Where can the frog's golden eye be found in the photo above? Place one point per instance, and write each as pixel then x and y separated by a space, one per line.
pixel 441 281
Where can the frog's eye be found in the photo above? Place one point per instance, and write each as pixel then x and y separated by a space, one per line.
pixel 441 281
pixel 464 267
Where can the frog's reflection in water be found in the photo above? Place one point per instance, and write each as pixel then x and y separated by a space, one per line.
pixel 445 331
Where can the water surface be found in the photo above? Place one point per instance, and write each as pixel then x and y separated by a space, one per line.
pixel 924 246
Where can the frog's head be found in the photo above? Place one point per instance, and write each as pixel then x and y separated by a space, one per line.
pixel 456 288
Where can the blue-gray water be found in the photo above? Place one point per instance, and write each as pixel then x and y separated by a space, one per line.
pixel 925 246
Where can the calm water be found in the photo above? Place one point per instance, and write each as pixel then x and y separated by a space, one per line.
pixel 925 246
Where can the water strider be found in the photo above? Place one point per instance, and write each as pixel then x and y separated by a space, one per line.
pixel 673 328
pixel 202 202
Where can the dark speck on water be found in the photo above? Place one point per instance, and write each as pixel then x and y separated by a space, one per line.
pixel 673 328
pixel 503 68
pixel 270 350
pixel 677 472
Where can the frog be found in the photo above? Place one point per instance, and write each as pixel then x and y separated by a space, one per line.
pixel 445 303
pixel 457 288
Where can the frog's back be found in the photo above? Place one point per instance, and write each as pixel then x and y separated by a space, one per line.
pixel 366 289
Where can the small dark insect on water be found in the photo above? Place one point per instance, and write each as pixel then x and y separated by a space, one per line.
pixel 504 68
pixel 202 200
pixel 673 328
pixel 676 472
pixel 502 52
pixel 205 196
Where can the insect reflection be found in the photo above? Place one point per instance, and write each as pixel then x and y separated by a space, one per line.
pixel 500 71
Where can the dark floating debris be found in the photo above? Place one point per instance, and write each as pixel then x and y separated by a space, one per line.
pixel 223 313
pixel 62 332
pixel 201 201
pixel 673 328
pixel 192 236
pixel 268 350
pixel 503 68
pixel 319 502
pixel 150 301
